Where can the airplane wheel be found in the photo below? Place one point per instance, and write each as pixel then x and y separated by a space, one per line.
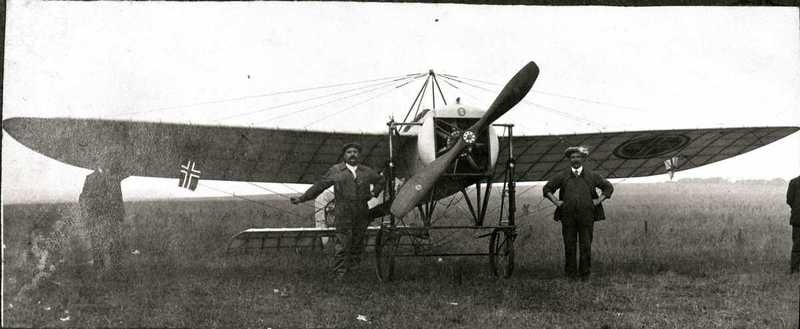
pixel 386 243
pixel 501 253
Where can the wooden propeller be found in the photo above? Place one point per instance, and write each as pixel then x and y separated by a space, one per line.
pixel 419 185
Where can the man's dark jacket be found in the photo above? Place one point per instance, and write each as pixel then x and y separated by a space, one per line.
pixel 345 188
pixel 592 181
pixel 101 197
pixel 793 200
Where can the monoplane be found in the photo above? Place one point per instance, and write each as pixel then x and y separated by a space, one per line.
pixel 434 155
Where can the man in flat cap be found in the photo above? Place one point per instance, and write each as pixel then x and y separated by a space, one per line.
pixel 353 185
pixel 793 200
pixel 578 207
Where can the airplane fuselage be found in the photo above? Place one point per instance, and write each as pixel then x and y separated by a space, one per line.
pixel 436 131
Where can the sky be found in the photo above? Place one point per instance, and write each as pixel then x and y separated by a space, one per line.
pixel 602 69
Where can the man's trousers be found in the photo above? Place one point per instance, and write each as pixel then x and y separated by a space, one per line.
pixel 352 219
pixel 577 236
pixel 795 261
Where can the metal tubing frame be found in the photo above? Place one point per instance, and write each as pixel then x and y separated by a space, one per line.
pixel 508 225
pixel 512 186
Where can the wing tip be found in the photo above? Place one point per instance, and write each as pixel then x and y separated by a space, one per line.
pixel 16 125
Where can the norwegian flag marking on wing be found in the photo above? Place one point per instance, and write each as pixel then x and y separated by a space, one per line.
pixel 190 175
pixel 671 165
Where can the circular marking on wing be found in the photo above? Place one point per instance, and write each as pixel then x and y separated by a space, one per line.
pixel 418 187
pixel 651 146
pixel 462 111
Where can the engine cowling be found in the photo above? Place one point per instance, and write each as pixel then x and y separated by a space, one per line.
pixel 441 128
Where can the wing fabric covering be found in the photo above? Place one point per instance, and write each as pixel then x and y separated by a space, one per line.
pixel 221 152
pixel 634 153
pixel 296 156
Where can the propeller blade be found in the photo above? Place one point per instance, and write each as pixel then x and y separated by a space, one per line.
pixel 419 185
pixel 514 91
pixel 416 187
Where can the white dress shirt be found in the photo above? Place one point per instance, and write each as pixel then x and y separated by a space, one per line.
pixel 352 169
pixel 578 171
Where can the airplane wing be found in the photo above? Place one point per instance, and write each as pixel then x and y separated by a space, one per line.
pixel 219 152
pixel 634 153
pixel 298 156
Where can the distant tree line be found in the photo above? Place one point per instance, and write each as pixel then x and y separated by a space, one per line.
pixel 720 180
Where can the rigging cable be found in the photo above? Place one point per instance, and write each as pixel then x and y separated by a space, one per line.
pixel 313 98
pixel 597 125
pixel 464 92
pixel 330 102
pixel 286 197
pixel 395 88
pixel 555 94
pixel 251 200
pixel 275 192
pixel 233 99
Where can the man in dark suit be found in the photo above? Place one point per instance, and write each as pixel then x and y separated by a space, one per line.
pixel 353 185
pixel 793 200
pixel 578 207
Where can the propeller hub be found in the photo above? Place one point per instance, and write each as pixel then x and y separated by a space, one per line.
pixel 469 137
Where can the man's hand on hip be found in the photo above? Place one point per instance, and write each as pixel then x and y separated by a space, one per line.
pixel 599 200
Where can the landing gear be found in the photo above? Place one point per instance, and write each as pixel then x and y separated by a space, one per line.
pixel 397 239
pixel 386 245
pixel 501 252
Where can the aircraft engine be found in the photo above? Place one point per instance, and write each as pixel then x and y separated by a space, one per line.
pixel 442 128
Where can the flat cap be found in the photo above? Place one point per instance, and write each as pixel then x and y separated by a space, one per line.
pixel 351 145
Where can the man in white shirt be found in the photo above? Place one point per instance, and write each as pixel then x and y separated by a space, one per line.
pixel 578 207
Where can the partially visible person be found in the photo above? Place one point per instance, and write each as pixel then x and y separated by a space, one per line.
pixel 578 207
pixel 46 245
pixel 103 210
pixel 793 200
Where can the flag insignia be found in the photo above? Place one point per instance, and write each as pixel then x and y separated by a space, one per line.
pixel 190 175
pixel 672 164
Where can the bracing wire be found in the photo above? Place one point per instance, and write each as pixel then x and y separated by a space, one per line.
pixel 570 116
pixel 447 81
pixel 585 100
pixel 329 102
pixel 547 108
pixel 251 200
pixel 395 88
pixel 233 99
pixel 291 188
pixel 275 192
pixel 284 196
pixel 463 92
pixel 384 83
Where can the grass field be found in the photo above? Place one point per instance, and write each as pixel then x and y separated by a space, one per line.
pixel 670 255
